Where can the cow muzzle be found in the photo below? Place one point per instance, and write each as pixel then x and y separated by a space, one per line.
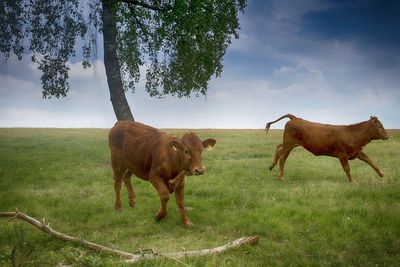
pixel 199 171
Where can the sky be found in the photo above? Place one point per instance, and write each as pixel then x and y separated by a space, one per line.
pixel 335 62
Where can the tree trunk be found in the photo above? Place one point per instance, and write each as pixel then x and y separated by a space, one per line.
pixel 112 66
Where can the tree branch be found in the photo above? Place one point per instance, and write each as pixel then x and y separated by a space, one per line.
pixel 148 6
pixel 145 32
pixel 131 257
pixel 47 229
pixel 247 240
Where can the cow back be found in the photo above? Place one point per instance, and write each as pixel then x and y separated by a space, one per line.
pixel 143 149
pixel 325 139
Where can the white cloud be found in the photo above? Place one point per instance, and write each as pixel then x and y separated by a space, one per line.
pixel 13 87
pixel 78 72
pixel 293 10
pixel 22 105
pixel 377 97
pixel 273 69
pixel 299 78
pixel 34 117
pixel 284 70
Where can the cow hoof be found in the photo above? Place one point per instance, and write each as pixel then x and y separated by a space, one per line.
pixel 270 168
pixel 188 224
pixel 159 217
pixel 381 174
pixel 118 209
pixel 132 204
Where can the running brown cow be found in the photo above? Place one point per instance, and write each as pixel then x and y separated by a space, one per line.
pixel 157 157
pixel 344 142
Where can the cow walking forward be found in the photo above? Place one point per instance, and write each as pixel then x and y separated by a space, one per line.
pixel 157 157
pixel 344 142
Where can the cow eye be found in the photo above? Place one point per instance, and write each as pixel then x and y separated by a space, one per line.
pixel 186 152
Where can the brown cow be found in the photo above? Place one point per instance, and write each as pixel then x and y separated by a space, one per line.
pixel 344 142
pixel 156 157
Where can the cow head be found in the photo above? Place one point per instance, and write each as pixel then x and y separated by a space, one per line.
pixel 377 131
pixel 190 148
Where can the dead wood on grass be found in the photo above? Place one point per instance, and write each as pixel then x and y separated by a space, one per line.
pixel 130 257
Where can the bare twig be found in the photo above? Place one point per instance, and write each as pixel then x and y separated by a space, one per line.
pixel 131 257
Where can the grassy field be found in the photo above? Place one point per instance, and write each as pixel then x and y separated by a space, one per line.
pixel 312 218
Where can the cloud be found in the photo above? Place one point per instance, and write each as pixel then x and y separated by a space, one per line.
pixel 21 104
pixel 12 87
pixel 282 63
pixel 287 33
pixel 289 76
pixel 371 22
pixel 375 97
pixel 370 26
pixel 78 72
pixel 34 117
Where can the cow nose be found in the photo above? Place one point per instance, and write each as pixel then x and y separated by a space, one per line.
pixel 199 171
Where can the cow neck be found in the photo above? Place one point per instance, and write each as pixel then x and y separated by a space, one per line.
pixel 180 160
pixel 361 132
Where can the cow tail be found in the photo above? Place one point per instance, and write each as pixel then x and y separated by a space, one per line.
pixel 290 116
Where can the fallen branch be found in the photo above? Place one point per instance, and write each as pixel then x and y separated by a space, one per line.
pixel 47 229
pixel 131 257
pixel 249 240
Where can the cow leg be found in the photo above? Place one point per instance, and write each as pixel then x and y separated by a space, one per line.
pixel 276 157
pixel 179 196
pixel 117 188
pixel 131 193
pixel 163 193
pixel 362 156
pixel 118 170
pixel 346 167
pixel 282 159
pixel 173 183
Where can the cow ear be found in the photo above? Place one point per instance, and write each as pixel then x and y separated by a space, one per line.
pixel 209 143
pixel 175 145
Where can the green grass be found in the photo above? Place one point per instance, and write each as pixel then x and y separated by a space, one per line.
pixel 312 218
